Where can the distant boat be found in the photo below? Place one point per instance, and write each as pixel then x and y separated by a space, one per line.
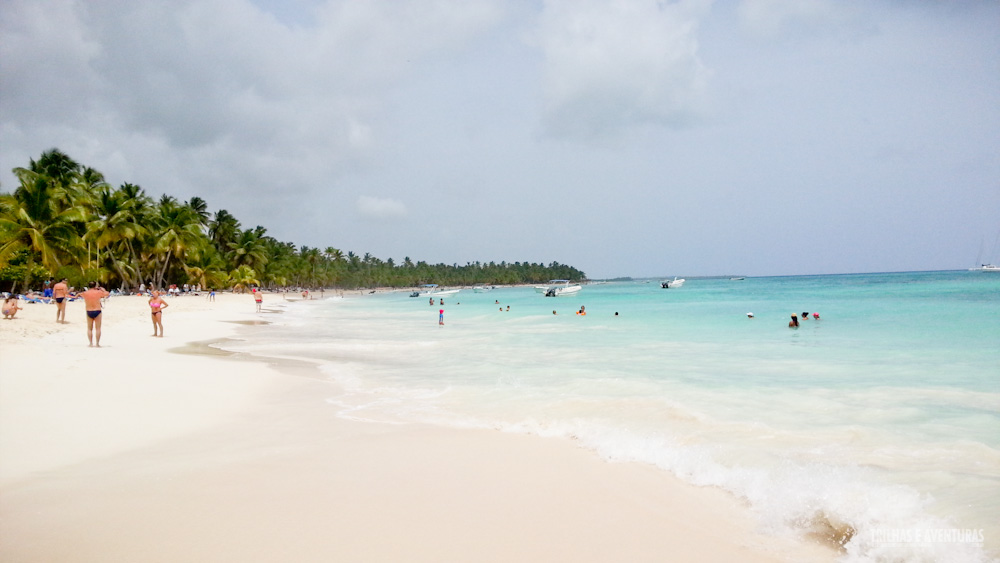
pixel 445 292
pixel 425 290
pixel 736 279
pixel 986 268
pixel 668 284
pixel 544 289
pixel 561 288
pixel 482 288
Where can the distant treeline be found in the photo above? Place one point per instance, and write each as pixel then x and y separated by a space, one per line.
pixel 65 221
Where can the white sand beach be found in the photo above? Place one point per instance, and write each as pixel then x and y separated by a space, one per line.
pixel 133 452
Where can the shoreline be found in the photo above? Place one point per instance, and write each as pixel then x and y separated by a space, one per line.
pixel 129 452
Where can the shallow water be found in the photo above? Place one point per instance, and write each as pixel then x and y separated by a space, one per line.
pixel 878 424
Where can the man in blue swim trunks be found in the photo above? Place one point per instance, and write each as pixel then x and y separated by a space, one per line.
pixel 92 298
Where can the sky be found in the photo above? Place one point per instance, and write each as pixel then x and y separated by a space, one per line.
pixel 635 138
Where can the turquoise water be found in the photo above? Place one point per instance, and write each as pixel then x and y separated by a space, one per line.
pixel 877 421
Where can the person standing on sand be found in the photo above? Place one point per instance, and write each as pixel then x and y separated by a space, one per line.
pixel 156 307
pixel 258 298
pixel 441 317
pixel 60 292
pixel 92 299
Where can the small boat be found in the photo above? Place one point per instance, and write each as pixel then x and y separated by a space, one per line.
pixel 482 288
pixel 424 290
pixel 736 279
pixel 445 292
pixel 986 268
pixel 676 282
pixel 562 288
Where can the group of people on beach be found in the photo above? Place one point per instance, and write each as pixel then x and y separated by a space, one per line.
pixel 93 297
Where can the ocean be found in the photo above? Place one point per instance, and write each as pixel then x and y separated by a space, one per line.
pixel 876 426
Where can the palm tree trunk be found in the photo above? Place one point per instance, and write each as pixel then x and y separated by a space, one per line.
pixel 163 271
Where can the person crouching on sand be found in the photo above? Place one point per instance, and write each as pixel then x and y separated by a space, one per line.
pixel 10 307
pixel 156 307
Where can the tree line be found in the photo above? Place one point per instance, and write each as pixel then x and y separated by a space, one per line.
pixel 65 221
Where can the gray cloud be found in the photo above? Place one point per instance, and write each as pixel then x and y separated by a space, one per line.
pixel 381 208
pixel 764 136
pixel 612 65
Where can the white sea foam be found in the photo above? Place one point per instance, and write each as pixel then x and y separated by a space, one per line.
pixel 859 428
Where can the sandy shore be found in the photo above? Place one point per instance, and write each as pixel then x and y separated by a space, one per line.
pixel 131 452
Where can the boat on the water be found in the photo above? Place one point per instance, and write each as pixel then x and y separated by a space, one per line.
pixel 543 289
pixel 445 292
pixel 668 284
pixel 424 290
pixel 482 288
pixel 561 288
pixel 986 268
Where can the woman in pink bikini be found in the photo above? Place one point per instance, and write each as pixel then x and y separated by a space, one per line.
pixel 156 307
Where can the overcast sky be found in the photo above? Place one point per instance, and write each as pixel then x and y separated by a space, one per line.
pixel 635 137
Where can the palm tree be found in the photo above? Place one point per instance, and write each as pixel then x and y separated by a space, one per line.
pixel 242 278
pixel 114 225
pixel 179 230
pixel 32 220
pixel 335 257
pixel 200 209
pixel 247 248
pixel 223 230
pixel 206 269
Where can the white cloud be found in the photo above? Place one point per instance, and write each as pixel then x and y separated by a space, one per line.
pixel 611 65
pixel 803 18
pixel 380 208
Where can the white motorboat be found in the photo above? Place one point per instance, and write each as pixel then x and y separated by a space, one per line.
pixel 668 284
pixel 445 292
pixel 562 288
pixel 482 288
pixel 424 290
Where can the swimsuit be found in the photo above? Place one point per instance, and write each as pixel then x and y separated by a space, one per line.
pixel 93 314
pixel 59 299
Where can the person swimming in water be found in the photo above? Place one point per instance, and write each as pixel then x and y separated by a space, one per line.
pixel 794 323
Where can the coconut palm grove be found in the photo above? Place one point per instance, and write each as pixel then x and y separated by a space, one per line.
pixel 65 221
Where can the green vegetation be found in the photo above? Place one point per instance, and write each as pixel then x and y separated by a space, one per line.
pixel 65 221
